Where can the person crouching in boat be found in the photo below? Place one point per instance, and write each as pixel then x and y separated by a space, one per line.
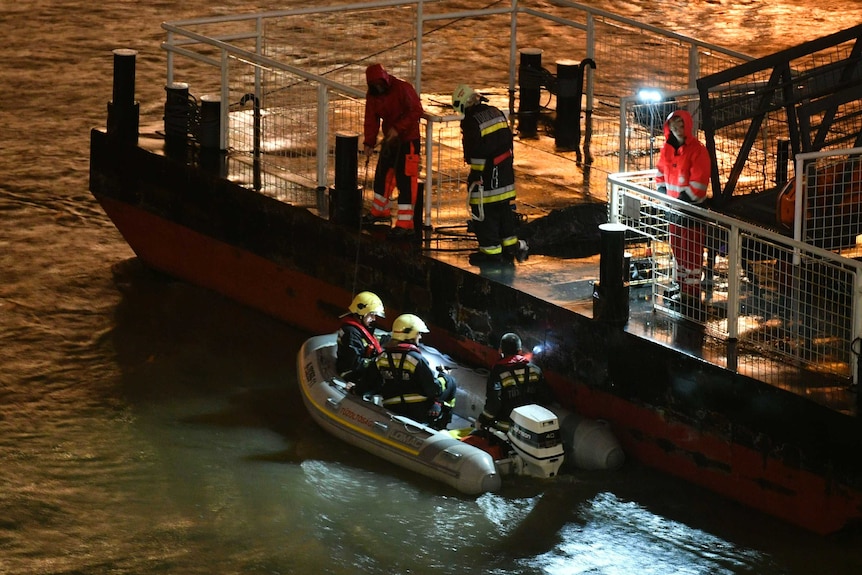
pixel 357 345
pixel 513 381
pixel 404 379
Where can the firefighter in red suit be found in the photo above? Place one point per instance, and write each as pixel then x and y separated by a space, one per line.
pixel 405 380
pixel 357 345
pixel 393 107
pixel 683 172
pixel 513 381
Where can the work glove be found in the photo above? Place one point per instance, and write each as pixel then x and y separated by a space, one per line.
pixel 662 189
pixel 435 410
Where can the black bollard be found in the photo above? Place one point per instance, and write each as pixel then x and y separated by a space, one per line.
pixel 856 349
pixel 212 157
pixel 419 212
pixel 611 292
pixel 530 85
pixel 123 110
pixel 177 119
pixel 177 110
pixel 567 125
pixel 209 130
pixel 345 199
pixel 257 183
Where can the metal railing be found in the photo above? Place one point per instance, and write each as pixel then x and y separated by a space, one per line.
pixel 824 206
pixel 288 81
pixel 784 297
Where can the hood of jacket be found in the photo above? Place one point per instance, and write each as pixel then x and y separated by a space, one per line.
pixel 687 122
pixel 375 72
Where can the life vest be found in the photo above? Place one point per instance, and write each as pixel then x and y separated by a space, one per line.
pixel 520 383
pixel 519 380
pixel 372 347
pixel 398 369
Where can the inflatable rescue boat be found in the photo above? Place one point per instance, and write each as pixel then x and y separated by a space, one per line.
pixel 539 442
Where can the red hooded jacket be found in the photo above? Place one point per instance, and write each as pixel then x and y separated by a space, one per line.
pixel 399 108
pixel 683 169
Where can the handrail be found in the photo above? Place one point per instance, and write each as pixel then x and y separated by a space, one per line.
pixel 638 184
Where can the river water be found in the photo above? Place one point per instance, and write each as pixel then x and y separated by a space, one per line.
pixel 147 426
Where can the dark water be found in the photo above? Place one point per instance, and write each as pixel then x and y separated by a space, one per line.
pixel 149 427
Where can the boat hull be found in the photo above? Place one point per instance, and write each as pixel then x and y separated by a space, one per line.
pixel 434 454
pixel 754 443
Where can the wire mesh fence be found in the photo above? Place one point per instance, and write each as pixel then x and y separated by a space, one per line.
pixel 771 293
pixel 830 210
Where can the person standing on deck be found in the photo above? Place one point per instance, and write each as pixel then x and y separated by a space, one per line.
pixel 395 104
pixel 684 169
pixel 487 142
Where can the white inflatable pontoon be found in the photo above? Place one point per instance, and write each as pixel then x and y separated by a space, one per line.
pixel 438 454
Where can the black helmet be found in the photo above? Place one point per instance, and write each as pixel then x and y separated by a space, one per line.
pixel 510 344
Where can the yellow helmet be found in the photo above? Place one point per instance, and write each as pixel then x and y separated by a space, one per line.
pixel 365 303
pixel 407 326
pixel 461 97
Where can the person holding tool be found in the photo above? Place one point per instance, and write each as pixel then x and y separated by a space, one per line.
pixel 395 104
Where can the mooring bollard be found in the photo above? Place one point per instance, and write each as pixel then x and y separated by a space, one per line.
pixel 611 292
pixel 213 158
pixel 345 198
pixel 123 110
pixel 177 111
pixel 530 85
pixel 570 92
pixel 209 130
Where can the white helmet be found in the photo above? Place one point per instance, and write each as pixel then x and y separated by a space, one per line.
pixel 407 326
pixel 462 97
pixel 365 303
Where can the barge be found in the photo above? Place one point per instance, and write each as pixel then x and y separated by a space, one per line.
pixel 671 409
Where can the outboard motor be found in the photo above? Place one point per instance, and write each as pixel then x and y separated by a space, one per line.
pixel 536 438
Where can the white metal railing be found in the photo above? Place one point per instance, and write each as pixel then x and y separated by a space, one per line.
pixel 642 118
pixel 308 82
pixel 784 297
pixel 827 200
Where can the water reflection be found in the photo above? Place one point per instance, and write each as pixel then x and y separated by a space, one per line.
pixel 623 537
